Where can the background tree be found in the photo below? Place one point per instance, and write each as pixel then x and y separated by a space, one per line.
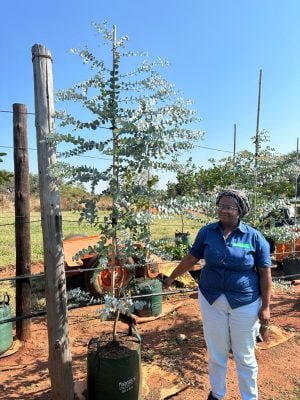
pixel 188 183
pixel 269 180
pixel 272 177
pixel 4 175
pixel 7 182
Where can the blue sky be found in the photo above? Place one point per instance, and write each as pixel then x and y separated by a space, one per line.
pixel 216 49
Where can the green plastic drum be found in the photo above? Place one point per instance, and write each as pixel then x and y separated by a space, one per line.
pixel 153 306
pixel 6 330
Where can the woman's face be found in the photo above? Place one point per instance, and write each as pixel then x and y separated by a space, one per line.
pixel 228 211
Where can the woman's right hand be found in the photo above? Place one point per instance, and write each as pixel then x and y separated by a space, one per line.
pixel 168 282
pixel 185 264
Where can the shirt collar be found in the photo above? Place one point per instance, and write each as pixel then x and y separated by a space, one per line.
pixel 241 226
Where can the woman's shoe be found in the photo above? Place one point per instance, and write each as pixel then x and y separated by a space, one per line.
pixel 211 397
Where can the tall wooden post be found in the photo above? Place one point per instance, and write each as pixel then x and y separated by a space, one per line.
pixel 115 191
pixel 234 153
pixel 22 218
pixel 60 361
pixel 257 143
pixel 257 120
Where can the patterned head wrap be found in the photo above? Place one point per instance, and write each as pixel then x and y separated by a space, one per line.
pixel 240 197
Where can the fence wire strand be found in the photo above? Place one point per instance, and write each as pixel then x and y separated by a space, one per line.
pixel 97 302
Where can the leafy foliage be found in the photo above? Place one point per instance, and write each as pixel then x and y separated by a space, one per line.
pixel 188 184
pixel 4 175
pixel 271 175
pixel 141 124
pixel 269 179
pixel 139 120
pixel 173 250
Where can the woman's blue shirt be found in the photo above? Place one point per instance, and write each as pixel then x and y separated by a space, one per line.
pixel 231 264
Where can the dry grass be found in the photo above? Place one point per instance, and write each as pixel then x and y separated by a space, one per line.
pixel 161 228
pixel 7 203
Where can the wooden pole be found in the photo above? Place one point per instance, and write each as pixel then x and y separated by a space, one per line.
pixel 234 153
pixel 297 176
pixel 22 220
pixel 296 193
pixel 115 195
pixel 60 361
pixel 257 119
pixel 257 139
pixel 234 142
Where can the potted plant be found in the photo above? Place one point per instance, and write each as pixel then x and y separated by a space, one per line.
pixel 114 360
pixel 287 247
pixel 139 126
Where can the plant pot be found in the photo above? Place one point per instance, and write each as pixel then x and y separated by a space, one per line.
pixel 291 266
pixel 114 368
pixel 6 330
pixel 153 306
pixel 183 238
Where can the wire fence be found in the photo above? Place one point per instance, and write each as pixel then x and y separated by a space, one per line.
pixel 92 301
pixel 85 270
pixel 71 221
pixel 96 302
pixel 130 266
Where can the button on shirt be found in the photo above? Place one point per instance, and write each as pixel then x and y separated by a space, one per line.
pixel 230 264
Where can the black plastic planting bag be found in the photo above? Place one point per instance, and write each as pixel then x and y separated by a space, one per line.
pixel 291 267
pixel 114 369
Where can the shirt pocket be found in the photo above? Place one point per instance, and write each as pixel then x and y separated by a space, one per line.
pixel 239 257
pixel 213 255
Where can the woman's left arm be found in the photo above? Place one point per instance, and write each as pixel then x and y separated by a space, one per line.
pixel 265 280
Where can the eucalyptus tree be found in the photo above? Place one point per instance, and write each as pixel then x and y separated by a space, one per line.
pixel 138 120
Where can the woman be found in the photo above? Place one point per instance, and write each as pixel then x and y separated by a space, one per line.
pixel 234 292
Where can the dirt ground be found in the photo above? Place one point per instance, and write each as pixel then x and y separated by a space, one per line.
pixel 24 375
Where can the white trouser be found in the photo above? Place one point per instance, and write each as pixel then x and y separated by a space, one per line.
pixel 236 329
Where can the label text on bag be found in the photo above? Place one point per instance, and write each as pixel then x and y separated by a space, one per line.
pixel 125 386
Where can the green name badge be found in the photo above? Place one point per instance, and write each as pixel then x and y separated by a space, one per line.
pixel 242 245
